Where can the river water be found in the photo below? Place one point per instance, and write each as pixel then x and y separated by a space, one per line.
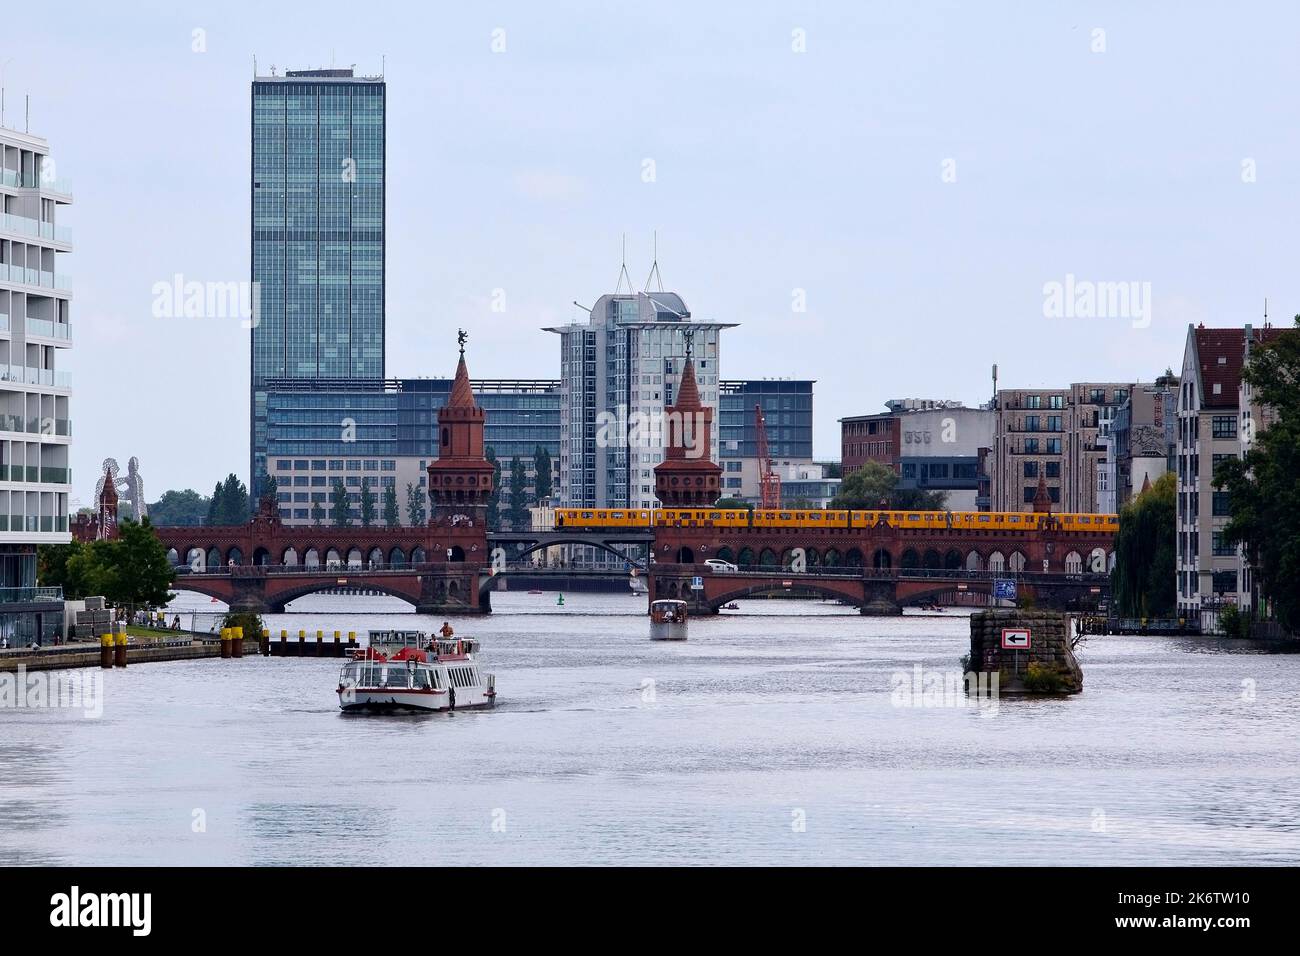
pixel 774 735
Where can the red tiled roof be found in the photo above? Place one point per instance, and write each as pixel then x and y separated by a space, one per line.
pixel 1228 345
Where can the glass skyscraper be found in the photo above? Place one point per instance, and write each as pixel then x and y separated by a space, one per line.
pixel 317 234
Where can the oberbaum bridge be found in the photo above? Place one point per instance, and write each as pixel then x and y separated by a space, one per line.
pixel 452 564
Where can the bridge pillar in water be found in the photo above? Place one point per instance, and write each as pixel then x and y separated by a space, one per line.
pixel 880 598
pixel 676 585
pixel 249 594
pixel 452 589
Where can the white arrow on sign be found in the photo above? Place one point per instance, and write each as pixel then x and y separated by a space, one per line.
pixel 1015 638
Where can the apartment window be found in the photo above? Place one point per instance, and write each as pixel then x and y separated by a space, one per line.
pixel 388 466
pixel 318 464
pixel 1221 505
pixel 336 464
pixel 1223 426
pixel 1053 423
pixel 1031 469
pixel 1221 546
pixel 354 465
pixel 1030 491
pixel 1031 446
pixel 1031 423
pixel 1053 469
pixel 1033 401
pixel 301 465
pixel 1053 446
pixel 1056 401
pixel 1225 582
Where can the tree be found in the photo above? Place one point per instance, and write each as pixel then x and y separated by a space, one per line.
pixel 494 500
pixel 416 515
pixel 543 485
pixel 130 571
pixel 392 517
pixel 518 510
pixel 270 494
pixel 875 485
pixel 367 504
pixel 317 512
pixel 214 505
pixel 340 505
pixel 229 502
pixel 732 504
pixel 1263 493
pixel 1143 581
pixel 177 508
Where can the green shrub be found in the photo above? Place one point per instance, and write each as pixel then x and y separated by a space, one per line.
pixel 1046 679
pixel 250 622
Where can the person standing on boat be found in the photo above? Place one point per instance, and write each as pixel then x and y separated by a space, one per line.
pixel 447 630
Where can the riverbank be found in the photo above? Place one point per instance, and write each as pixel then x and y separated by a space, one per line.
pixel 141 649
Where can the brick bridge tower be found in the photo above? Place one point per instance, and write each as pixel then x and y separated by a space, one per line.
pixel 460 487
pixel 688 477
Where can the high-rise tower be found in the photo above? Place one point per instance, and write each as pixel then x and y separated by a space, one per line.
pixel 317 234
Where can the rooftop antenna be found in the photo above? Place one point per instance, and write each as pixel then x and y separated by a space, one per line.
pixel 622 272
pixel 254 66
pixel 995 384
pixel 1265 311
pixel 3 66
pixel 654 268
pixel 27 121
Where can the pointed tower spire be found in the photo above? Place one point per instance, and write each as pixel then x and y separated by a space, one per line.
pixel 1042 500
pixel 688 476
pixel 460 479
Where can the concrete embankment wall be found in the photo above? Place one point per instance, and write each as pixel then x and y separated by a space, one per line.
pixel 135 654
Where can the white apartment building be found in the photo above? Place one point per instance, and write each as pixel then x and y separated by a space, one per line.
pixel 35 424
pixel 618 372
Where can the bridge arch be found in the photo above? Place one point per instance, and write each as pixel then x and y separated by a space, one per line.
pixel 997 562
pixel 1074 563
pixel 173 557
pixel 261 555
pixel 376 557
pixel 457 553
pixel 725 554
pixel 745 557
pixel 397 558
pixel 311 558
pixel 235 556
pixel 973 562
pixel 881 559
pixel 212 558
pixel 290 557
pixel 909 559
pixel 832 558
pixel 418 556
pixel 952 561
pixel 767 558
pixel 354 558
pixel 847 590
pixel 685 555
pixel 1017 561
pixel 932 561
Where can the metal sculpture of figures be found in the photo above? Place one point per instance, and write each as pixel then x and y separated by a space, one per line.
pixel 461 338
pixel 130 489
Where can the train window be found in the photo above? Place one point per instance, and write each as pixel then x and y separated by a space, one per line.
pixel 786 516
pixel 588 514
pixel 913 517
pixel 1084 519
pixel 985 518
pixel 715 515
pixel 1015 519
pixel 616 515
pixel 815 516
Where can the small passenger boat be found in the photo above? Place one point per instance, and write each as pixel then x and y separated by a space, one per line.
pixel 405 671
pixel 668 620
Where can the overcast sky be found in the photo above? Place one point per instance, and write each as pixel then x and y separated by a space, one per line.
pixel 921 171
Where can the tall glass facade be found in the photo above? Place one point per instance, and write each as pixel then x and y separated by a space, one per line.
pixel 317 233
pixel 787 414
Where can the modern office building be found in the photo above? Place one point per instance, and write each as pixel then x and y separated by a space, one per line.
pixel 379 434
pixel 618 374
pixel 35 423
pixel 788 417
pixel 1060 434
pixel 932 445
pixel 1217 419
pixel 318 247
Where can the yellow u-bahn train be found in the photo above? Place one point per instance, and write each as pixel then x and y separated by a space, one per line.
pixel 580 518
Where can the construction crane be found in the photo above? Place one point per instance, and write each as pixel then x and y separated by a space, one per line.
pixel 769 482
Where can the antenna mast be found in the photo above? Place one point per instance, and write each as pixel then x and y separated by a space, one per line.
pixel 654 267
pixel 622 272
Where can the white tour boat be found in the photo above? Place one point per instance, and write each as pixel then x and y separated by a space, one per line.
pixel 668 620
pixel 408 671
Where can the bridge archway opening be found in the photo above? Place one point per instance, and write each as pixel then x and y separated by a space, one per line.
pixel 724 554
pixel 397 558
pixel 973 562
pixel 312 558
pixel 457 554
pixel 354 558
pixel 1074 563
pixel 332 559
pixel 910 559
pixel 173 558
pixel 212 559
pixel 1017 562
pixel 685 555
pixel 832 558
pixel 196 559
pixel 952 561
pixel 814 559
pixel 997 563
pixel 853 558
pixel 418 556
pixel 933 561
pixel 290 557
pixel 376 557
pixel 261 556
pixel 746 557
pixel 234 556
pixel 767 558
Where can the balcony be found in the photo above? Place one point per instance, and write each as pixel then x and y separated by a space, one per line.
pixel 48 524
pixel 35 376
pixel 60 427
pixel 30 595
pixel 58 281
pixel 22 226
pixel 49 329
pixel 54 184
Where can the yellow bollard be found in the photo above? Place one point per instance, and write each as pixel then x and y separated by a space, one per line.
pixel 264 644
pixel 236 642
pixel 119 640
pixel 106 650
pixel 225 643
